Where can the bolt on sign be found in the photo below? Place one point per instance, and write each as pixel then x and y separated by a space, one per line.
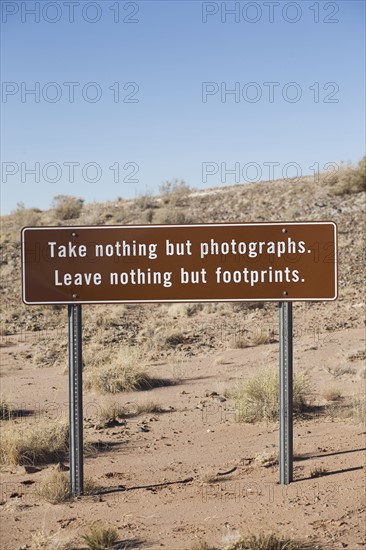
pixel 180 263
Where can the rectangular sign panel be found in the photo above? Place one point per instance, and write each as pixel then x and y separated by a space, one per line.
pixel 174 263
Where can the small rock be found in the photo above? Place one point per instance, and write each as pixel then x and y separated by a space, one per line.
pixel 221 398
pixel 31 469
pixel 142 429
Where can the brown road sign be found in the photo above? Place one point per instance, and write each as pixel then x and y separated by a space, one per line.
pixel 173 263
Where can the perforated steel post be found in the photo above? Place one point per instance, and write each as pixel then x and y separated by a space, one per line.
pixel 76 400
pixel 286 393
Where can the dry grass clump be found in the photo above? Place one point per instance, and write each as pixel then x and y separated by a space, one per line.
pixel 111 415
pixel 5 409
pixel 348 179
pixel 23 216
pixel 266 542
pixel 100 537
pixel 54 354
pixel 162 337
pixel 56 487
pixel 148 407
pixel 257 398
pixel 267 459
pixel 115 413
pixel 34 443
pixel 239 342
pixel 171 215
pixel 184 310
pixel 41 540
pixel 104 317
pixel 113 371
pixel 67 207
pixel 261 338
pixel 173 339
pixel 173 192
pixel 353 409
pixel 146 201
pixel 209 476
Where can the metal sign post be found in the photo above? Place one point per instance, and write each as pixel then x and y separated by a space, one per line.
pixel 286 393
pixel 75 400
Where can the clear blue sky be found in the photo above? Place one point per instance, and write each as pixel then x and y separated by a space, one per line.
pixel 167 50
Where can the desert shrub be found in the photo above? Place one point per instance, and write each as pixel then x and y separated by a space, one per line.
pixel 165 338
pixel 260 338
pixel 184 309
pixel 100 537
pixel 266 542
pixel 173 191
pixel 148 407
pixel 114 413
pixel 34 443
pixel 23 216
pixel 41 540
pixel 67 207
pixel 267 459
pixel 53 355
pixel 239 341
pixel 348 179
pixel 171 215
pixel 56 487
pixel 257 398
pixel 353 409
pixel 173 339
pixel 113 371
pixel 145 202
pixel 111 414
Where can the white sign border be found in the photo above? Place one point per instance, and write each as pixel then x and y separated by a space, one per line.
pixel 206 300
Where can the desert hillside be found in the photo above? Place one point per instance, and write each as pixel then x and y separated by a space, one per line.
pixel 337 197
pixel 180 400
